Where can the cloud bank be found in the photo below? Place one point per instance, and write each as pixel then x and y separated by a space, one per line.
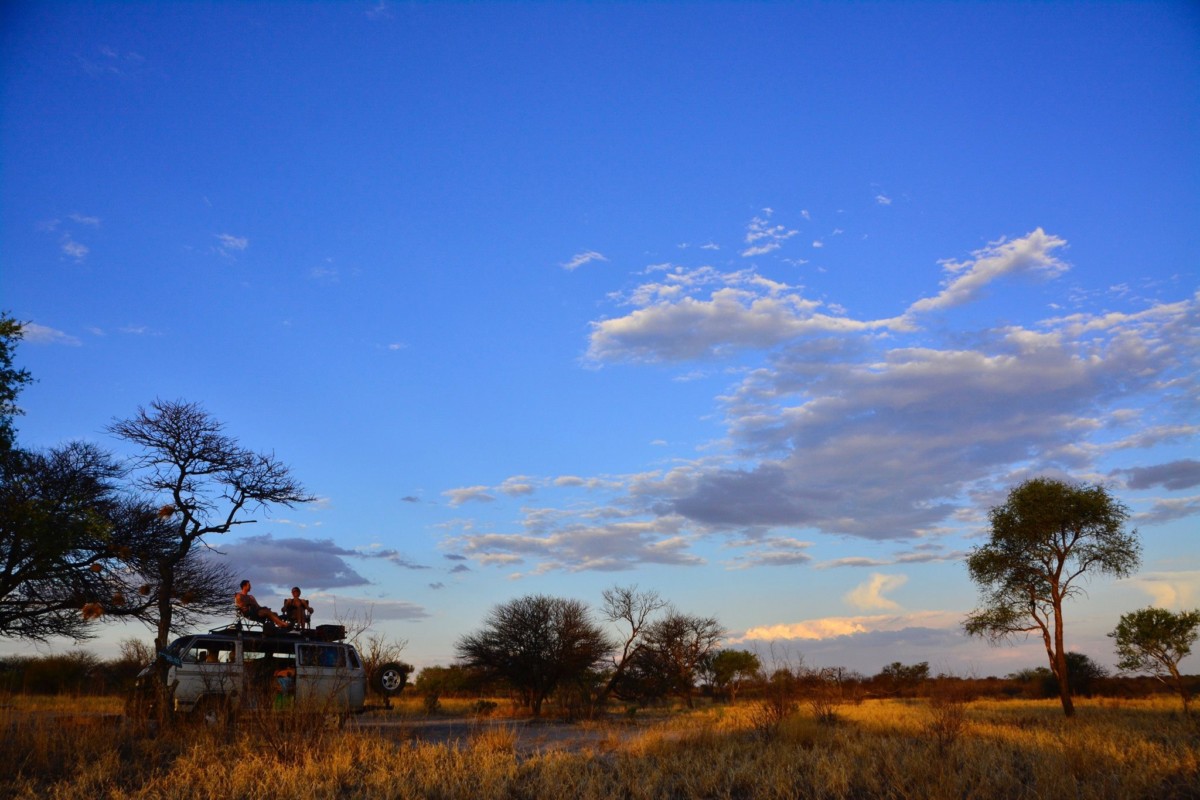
pixel 894 428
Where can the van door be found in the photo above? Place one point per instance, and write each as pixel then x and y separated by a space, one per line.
pixel 324 677
pixel 264 664
pixel 208 668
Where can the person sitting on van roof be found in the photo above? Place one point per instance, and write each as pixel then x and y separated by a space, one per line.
pixel 296 609
pixel 250 608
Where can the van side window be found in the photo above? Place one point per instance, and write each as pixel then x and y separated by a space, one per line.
pixel 322 655
pixel 279 654
pixel 209 651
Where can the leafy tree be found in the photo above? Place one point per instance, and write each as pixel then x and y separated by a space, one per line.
pixel 1155 640
pixel 897 677
pixel 632 608
pixel 74 548
pixel 203 482
pixel 1046 536
pixel 1083 674
pixel 12 380
pixel 56 512
pixel 536 643
pixel 673 651
pixel 731 668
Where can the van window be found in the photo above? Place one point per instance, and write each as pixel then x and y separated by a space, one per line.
pixel 322 655
pixel 209 651
pixel 280 654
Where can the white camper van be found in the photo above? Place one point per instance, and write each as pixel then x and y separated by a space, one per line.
pixel 238 668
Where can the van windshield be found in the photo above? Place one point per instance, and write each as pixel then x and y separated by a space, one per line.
pixel 210 651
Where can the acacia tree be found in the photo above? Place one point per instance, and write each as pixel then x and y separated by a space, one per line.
pixel 731 668
pixel 1155 640
pixel 1044 539
pixel 674 648
pixel 536 643
pixel 631 608
pixel 202 482
pixel 56 512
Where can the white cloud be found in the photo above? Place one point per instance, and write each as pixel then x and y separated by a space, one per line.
pixel 230 244
pixel 834 627
pixel 517 486
pixel 579 259
pixel 774 551
pixel 867 427
pixel 1171 590
pixel 605 545
pixel 74 249
pixel 468 494
pixel 762 237
pixel 41 334
pixel 1031 254
pixel 744 311
pixel 883 200
pixel 869 595
pixel 92 222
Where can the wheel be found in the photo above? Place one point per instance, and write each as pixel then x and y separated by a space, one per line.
pixel 390 679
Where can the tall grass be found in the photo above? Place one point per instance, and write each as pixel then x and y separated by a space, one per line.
pixel 886 749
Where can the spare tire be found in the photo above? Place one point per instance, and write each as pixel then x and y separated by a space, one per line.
pixel 390 679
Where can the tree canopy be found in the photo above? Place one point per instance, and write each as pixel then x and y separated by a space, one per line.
pixel 12 380
pixel 536 643
pixel 202 482
pixel 1045 537
pixel 1155 640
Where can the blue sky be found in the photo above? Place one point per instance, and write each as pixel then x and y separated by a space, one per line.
pixel 761 306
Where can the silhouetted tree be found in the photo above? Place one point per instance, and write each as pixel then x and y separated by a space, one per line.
pixel 203 482
pixel 75 548
pixel 672 653
pixel 627 606
pixel 536 643
pixel 75 545
pixel 1046 535
pixel 1155 640
pixel 1083 674
pixel 12 380
pixel 898 677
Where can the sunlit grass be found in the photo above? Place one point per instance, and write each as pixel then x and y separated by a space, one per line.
pixel 1111 749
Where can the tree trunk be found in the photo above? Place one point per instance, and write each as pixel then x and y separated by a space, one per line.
pixel 1181 688
pixel 1059 662
pixel 165 704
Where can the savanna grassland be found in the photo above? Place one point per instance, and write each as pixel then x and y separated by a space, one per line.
pixel 889 748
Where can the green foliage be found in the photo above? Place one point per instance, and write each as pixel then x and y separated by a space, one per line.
pixel 1155 640
pixel 673 650
pixel 897 677
pixel 1044 538
pixel 1083 674
pixel 731 668
pixel 12 380
pixel 536 643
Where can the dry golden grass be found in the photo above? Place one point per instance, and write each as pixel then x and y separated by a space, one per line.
pixel 884 749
